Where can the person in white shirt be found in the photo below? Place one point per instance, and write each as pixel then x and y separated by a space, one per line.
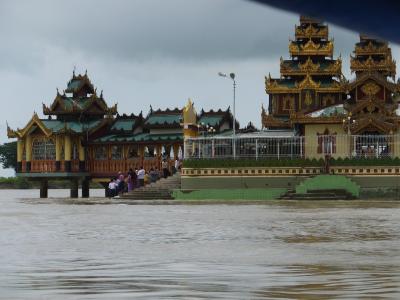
pixel 177 164
pixel 140 176
pixel 112 188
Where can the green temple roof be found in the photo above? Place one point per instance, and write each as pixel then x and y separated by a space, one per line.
pixel 125 125
pixel 294 64
pixel 141 137
pixel 161 119
pixel 59 126
pixel 210 120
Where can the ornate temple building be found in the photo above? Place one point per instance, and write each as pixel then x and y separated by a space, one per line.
pixel 371 102
pixel 310 80
pixel 313 113
pixel 314 100
pixel 84 139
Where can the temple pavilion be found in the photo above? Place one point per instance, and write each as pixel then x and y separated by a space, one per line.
pixel 82 138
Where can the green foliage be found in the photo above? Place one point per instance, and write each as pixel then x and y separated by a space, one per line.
pixel 8 155
pixel 15 183
pixel 297 162
pixel 241 163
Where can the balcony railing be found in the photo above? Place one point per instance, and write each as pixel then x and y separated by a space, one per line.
pixel 317 146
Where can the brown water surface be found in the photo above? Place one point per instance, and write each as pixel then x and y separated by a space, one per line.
pixel 282 250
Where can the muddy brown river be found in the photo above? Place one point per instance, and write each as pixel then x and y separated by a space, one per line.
pixel 281 250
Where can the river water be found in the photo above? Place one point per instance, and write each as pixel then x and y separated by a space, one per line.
pixel 283 250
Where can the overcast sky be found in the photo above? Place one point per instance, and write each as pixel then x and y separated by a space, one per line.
pixel 142 52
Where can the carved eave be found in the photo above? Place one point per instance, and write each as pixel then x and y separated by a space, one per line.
pixel 11 133
pixel 375 76
pixel 58 100
pixel 311 48
pixel 387 65
pixel 272 86
pixel 46 109
pixel 311 32
pixel 372 49
pixel 113 110
pixel 308 83
pixel 24 131
pixel 371 105
pixel 308 67
pixel 306 119
pixel 83 80
pixel 270 121
pixel 372 122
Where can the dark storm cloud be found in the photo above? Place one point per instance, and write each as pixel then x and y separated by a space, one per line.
pixel 142 30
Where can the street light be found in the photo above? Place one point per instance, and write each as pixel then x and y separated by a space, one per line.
pixel 232 76
pixel 350 121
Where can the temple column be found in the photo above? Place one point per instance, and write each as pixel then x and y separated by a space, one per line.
pixel 81 151
pixel 58 153
pixel 20 150
pixel 44 187
pixel 28 152
pixel 67 153
pixel 141 154
pixel 74 188
pixel 176 150
pixel 85 188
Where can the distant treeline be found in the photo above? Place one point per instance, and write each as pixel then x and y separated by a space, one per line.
pixel 23 183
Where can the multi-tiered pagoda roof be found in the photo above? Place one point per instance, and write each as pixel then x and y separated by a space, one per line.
pixel 372 105
pixel 310 80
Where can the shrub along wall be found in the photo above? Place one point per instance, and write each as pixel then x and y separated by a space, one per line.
pixel 237 163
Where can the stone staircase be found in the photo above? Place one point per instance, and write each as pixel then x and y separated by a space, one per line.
pixel 320 194
pixel 159 190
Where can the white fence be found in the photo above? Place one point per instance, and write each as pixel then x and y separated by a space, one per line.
pixel 259 147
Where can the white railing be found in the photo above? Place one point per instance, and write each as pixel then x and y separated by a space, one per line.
pixel 359 146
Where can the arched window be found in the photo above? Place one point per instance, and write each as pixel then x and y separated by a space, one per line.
pixel 100 153
pixel 75 154
pixel 326 142
pixel 116 152
pixel 43 149
pixel 133 152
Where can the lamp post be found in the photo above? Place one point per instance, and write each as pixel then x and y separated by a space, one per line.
pixel 349 121
pixel 232 76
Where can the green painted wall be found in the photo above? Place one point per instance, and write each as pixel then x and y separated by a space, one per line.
pixel 324 182
pixel 377 181
pixel 229 194
pixel 239 182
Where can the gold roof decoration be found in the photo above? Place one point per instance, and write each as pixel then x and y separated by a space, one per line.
pixel 35 121
pixel 311 32
pixel 372 49
pixel 270 121
pixel 387 64
pixel 370 88
pixel 311 48
pixel 309 66
pixel 308 83
pixel 272 85
pixel 334 68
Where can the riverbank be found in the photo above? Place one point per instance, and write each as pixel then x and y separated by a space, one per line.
pixel 113 201
pixel 22 183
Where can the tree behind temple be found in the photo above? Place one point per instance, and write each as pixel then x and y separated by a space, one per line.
pixel 8 155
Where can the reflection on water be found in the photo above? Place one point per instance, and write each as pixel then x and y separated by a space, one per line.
pixel 283 250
